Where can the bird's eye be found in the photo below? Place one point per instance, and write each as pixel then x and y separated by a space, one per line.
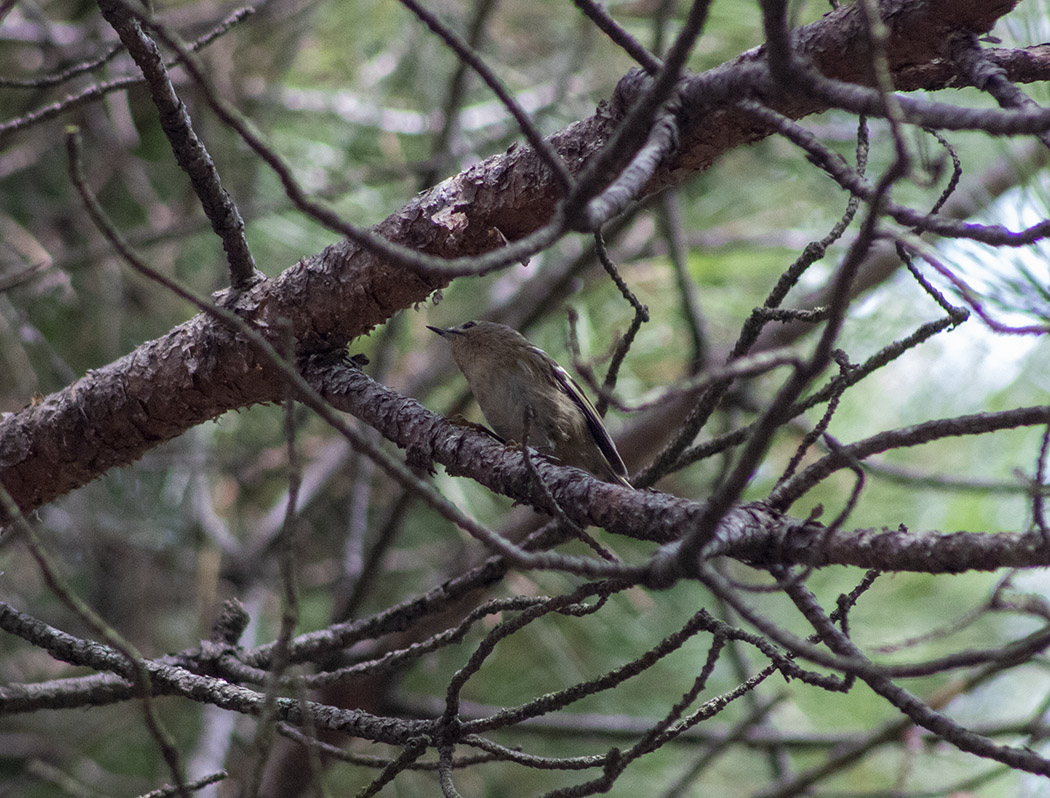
pixel 470 324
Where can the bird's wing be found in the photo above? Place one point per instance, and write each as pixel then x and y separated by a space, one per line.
pixel 594 421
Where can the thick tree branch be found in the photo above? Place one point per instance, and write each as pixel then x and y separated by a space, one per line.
pixel 197 371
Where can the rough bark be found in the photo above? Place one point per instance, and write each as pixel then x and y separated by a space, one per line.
pixel 113 415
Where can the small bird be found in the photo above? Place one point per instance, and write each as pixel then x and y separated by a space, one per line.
pixel 507 375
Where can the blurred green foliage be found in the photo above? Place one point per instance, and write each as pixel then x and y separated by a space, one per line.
pixel 337 88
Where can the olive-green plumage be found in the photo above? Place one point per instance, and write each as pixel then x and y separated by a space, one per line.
pixel 507 374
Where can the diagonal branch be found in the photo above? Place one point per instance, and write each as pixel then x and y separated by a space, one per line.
pixel 753 532
pixel 198 371
pixel 189 150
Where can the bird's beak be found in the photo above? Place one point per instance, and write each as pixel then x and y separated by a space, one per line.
pixel 441 332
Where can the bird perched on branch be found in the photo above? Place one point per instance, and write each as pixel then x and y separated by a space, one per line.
pixel 517 384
